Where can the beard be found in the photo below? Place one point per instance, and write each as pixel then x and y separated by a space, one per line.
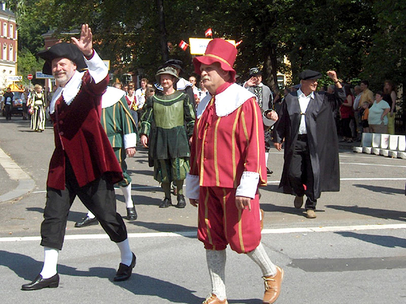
pixel 62 78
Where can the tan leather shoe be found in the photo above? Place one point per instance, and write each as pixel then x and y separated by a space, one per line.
pixel 310 214
pixel 214 300
pixel 273 286
pixel 298 202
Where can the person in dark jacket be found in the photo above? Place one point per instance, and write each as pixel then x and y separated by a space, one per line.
pixel 8 98
pixel 306 127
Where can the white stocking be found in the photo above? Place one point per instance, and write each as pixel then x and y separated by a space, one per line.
pixel 259 256
pixel 216 262
pixel 50 262
pixel 125 251
pixel 127 195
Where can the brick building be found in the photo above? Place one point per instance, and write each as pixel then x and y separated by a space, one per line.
pixel 8 46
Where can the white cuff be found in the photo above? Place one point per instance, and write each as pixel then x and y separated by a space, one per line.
pixel 248 184
pixel 267 122
pixel 97 69
pixel 130 140
pixel 192 186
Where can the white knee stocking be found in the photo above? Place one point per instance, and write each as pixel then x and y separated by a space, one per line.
pixel 125 251
pixel 50 262
pixel 259 256
pixel 127 195
pixel 216 262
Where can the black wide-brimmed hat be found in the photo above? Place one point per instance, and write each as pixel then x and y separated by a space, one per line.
pixel 176 63
pixel 62 50
pixel 309 74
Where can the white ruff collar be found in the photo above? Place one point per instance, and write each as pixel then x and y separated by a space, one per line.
pixel 68 92
pixel 231 99
pixel 183 84
pixel 111 97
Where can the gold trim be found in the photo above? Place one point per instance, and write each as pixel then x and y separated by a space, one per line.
pixel 234 145
pixel 219 58
pixel 206 219
pixel 225 212
pixel 240 236
pixel 216 169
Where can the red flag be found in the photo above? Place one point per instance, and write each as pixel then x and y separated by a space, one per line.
pixel 183 45
pixel 238 43
pixel 208 33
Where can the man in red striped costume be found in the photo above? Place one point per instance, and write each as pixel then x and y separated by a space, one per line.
pixel 227 166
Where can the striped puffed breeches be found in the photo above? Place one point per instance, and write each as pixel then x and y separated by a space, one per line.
pixel 221 223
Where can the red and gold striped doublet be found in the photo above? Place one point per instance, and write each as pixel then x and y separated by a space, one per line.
pixel 224 147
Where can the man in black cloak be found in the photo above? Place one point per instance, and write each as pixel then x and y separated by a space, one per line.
pixel 307 128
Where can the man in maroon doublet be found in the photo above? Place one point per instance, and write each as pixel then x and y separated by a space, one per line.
pixel 83 163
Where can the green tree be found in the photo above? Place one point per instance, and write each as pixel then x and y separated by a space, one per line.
pixel 27 64
pixel 386 56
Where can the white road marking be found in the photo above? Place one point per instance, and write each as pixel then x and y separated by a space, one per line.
pixel 344 179
pixel 193 233
pixel 369 164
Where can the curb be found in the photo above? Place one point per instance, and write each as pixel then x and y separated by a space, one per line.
pixel 25 182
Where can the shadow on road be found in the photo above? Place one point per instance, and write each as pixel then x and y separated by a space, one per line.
pixel 163 227
pixel 373 212
pixel 27 268
pixel 285 209
pixel 381 240
pixel 380 189
pixel 73 216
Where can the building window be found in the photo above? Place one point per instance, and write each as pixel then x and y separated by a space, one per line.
pixel 4 29
pixel 11 53
pixel 4 51
pixel 11 31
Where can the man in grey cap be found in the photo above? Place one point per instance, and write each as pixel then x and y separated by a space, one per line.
pixel 306 127
pixel 265 101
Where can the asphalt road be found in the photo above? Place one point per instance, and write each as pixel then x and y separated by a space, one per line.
pixel 354 252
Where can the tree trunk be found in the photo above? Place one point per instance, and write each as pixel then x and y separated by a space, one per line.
pixel 271 69
pixel 163 37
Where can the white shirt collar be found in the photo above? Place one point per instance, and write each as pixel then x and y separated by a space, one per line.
pixel 300 94
pixel 68 92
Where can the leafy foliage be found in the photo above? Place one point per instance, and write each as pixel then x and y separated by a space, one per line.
pixel 358 38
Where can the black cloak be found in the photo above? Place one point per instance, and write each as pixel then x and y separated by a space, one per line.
pixel 322 140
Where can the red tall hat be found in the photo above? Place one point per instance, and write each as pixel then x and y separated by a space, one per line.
pixel 221 51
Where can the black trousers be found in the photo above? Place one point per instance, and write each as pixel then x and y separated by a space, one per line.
pixel 7 110
pixel 98 197
pixel 301 173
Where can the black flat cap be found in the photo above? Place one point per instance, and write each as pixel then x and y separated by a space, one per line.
pixel 62 50
pixel 309 74
pixel 255 72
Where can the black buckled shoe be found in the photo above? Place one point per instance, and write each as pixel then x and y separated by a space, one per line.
pixel 268 172
pixel 181 201
pixel 166 203
pixel 124 272
pixel 40 283
pixel 131 213
pixel 86 221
